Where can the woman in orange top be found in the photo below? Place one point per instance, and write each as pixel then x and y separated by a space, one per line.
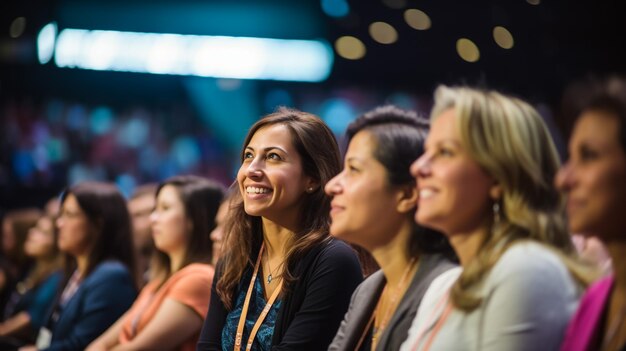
pixel 170 309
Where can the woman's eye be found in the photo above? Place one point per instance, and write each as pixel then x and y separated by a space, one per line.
pixel 353 169
pixel 445 152
pixel 273 156
pixel 247 155
pixel 587 154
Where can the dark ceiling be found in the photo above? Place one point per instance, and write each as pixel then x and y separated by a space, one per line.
pixel 555 42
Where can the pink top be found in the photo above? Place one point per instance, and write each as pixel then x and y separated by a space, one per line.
pixel 582 332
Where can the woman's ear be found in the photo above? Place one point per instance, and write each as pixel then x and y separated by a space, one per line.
pixel 406 198
pixel 311 185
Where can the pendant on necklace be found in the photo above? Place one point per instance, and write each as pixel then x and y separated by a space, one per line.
pixel 269 278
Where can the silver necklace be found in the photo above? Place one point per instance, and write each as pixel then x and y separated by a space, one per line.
pixel 271 271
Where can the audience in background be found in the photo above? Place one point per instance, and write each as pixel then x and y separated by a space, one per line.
pixel 140 206
pixel 170 309
pixel 27 309
pixel 217 234
pixel 99 284
pixel 14 263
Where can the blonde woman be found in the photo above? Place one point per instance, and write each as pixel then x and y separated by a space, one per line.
pixel 485 181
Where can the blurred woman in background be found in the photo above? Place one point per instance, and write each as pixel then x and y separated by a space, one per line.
pixel 217 234
pixel 594 180
pixel 99 285
pixel 16 264
pixel 33 296
pixel 170 309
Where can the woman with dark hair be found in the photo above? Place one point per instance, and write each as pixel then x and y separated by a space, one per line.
pixel 594 180
pixel 17 264
pixel 373 206
pixel 169 311
pixel 282 283
pixel 217 234
pixel 26 311
pixel 95 234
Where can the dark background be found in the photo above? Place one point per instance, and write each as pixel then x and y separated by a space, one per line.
pixel 45 112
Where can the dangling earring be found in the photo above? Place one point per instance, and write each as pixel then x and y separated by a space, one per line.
pixel 496 213
pixel 310 189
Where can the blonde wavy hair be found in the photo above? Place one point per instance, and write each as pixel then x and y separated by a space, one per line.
pixel 509 140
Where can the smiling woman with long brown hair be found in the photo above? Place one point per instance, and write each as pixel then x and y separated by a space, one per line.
pixel 282 282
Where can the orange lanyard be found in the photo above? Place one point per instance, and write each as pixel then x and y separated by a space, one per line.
pixel 244 312
pixel 444 316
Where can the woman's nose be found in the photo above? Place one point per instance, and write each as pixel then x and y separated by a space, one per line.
pixel 254 169
pixel 421 166
pixel 563 178
pixel 333 187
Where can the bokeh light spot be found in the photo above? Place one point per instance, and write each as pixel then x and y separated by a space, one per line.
pixel 383 33
pixel 503 37
pixel 350 48
pixel 417 19
pixel 467 50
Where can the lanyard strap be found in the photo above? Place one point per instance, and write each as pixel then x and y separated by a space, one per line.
pixel 438 326
pixel 246 304
pixel 447 305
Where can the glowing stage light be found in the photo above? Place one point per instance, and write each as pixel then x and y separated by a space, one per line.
pixel 45 42
pixel 205 56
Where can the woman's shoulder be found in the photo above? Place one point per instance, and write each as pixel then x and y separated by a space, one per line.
pixel 529 255
pixel 196 268
pixel 53 278
pixel 372 281
pixel 334 247
pixel 195 272
pixel 109 270
pixel 335 253
pixel 110 266
pixel 532 261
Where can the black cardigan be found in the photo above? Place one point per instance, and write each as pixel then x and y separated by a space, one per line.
pixel 311 311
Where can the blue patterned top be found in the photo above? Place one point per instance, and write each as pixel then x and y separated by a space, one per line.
pixel 263 340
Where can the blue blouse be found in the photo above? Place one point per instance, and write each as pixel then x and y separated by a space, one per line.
pixel 263 340
pixel 36 301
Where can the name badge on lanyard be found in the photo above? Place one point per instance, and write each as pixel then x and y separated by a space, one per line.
pixel 44 338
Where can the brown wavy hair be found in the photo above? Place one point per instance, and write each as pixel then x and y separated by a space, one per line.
pixel 319 151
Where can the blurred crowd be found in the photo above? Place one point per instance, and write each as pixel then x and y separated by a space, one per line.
pixel 462 231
